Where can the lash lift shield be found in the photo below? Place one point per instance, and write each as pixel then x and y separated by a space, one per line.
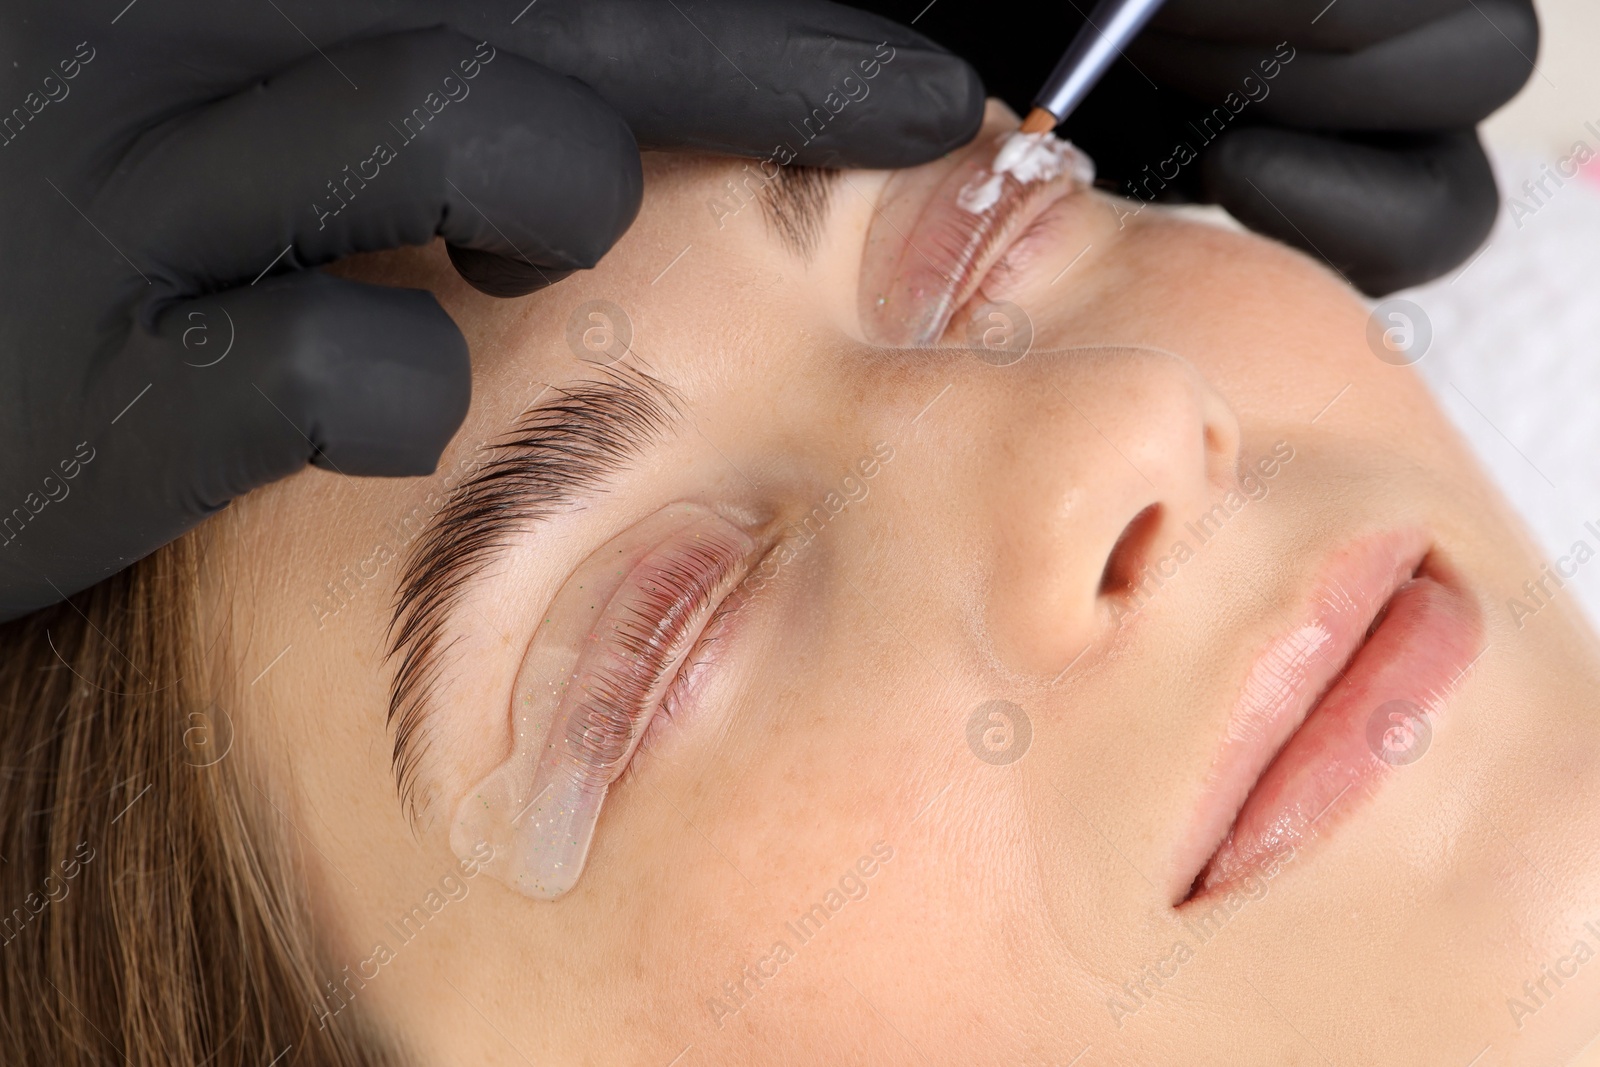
pixel 594 675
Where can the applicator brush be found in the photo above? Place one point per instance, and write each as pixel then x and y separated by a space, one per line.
pixel 1111 25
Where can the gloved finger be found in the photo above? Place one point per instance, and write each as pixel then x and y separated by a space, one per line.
pixel 251 384
pixel 235 390
pixel 1386 216
pixel 1445 74
pixel 835 85
pixel 1342 26
pixel 488 149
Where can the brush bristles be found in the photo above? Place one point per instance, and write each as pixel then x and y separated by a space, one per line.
pixel 1039 121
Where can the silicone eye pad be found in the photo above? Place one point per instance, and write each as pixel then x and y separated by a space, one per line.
pixel 927 249
pixel 605 652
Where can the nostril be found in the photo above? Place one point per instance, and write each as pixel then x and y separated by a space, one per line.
pixel 1126 560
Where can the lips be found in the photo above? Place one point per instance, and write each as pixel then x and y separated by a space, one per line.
pixel 1333 706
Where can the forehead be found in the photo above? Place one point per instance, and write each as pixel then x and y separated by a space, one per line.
pixel 696 196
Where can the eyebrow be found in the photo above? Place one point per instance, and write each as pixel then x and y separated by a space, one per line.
pixel 556 455
pixel 796 206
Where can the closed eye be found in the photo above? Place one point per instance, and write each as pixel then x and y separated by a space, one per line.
pixel 559 454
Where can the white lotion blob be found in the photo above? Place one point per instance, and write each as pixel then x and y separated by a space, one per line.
pixel 1028 158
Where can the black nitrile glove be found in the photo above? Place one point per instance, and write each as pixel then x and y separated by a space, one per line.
pixel 169 168
pixel 1345 129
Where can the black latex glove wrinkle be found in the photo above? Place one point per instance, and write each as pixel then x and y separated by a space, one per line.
pixel 172 168
pixel 1360 149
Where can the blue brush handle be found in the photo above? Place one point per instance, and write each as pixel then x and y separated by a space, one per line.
pixel 1112 24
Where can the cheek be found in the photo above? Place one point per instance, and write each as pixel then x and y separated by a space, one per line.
pixel 1277 334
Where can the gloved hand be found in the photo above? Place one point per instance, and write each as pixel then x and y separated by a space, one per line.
pixel 170 170
pixel 1343 128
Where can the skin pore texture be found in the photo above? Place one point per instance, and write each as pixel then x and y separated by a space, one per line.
pixel 819 859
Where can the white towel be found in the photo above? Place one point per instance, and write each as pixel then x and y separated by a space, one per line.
pixel 1515 355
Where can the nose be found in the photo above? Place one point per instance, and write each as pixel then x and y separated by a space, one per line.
pixel 1101 457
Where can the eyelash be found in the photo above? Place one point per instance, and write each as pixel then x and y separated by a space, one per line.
pixel 998 237
pixel 664 642
pixel 560 449
pixel 1002 253
pixel 691 670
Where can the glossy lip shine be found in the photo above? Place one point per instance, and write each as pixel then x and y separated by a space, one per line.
pixel 1385 623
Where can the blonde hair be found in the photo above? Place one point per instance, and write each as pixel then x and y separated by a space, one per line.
pixel 147 913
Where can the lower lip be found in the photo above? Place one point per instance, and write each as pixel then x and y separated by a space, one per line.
pixel 1374 721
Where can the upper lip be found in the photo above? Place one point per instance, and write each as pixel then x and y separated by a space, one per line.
pixel 1289 678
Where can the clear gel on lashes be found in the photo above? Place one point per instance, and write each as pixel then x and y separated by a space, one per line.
pixel 586 694
pixel 926 249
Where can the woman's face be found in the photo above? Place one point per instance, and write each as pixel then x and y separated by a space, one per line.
pixel 968 761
